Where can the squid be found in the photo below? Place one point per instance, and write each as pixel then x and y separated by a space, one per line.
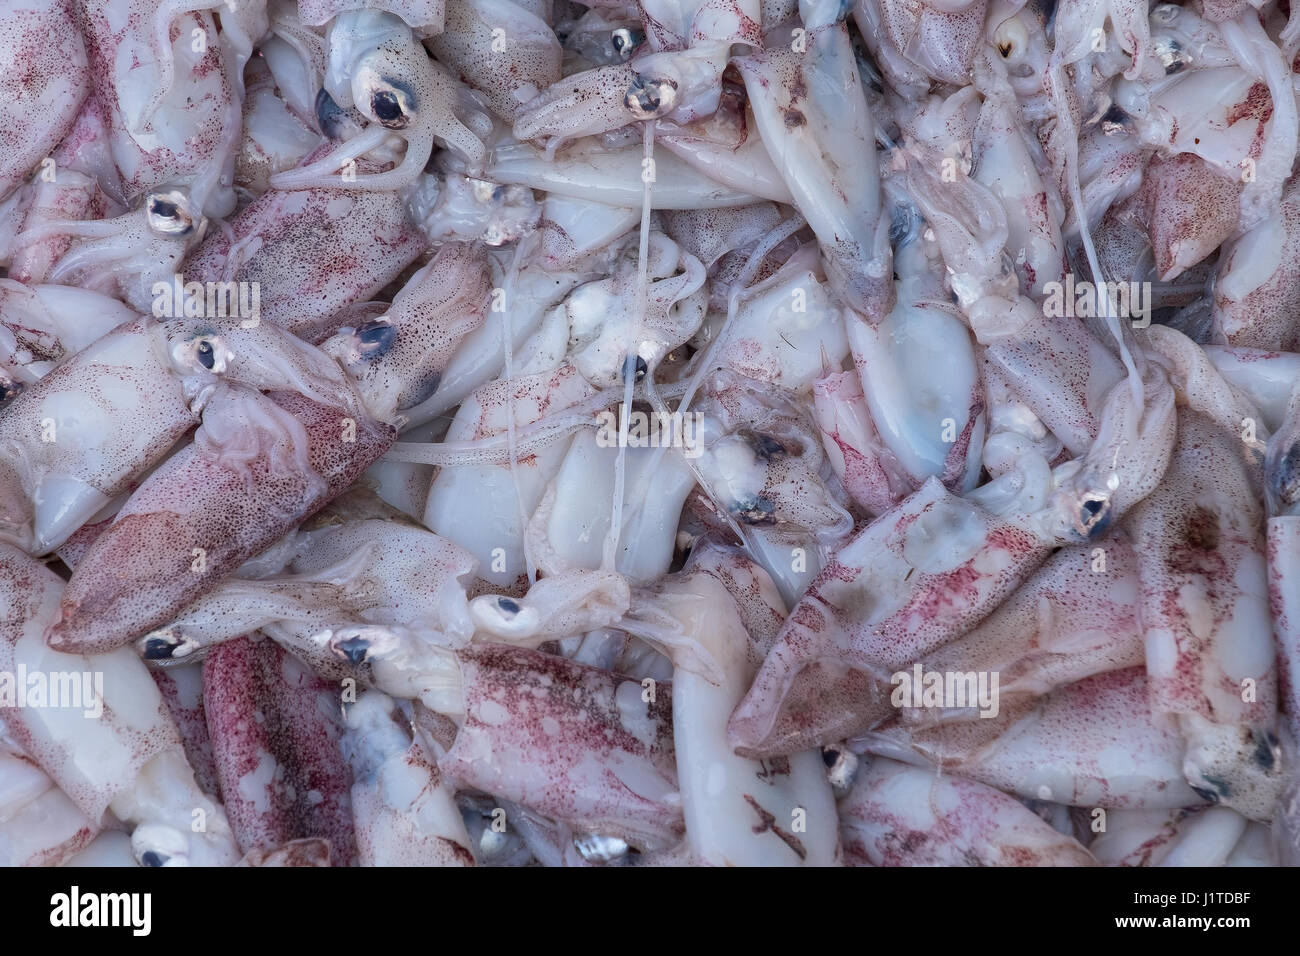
pixel 287 456
pixel 530 719
pixel 738 811
pixel 898 815
pixel 282 777
pixel 190 139
pixel 812 115
pixel 403 808
pixel 47 77
pixel 377 65
pixel 1060 747
pixel 1205 618
pixel 70 451
pixel 130 761
pixel 275 242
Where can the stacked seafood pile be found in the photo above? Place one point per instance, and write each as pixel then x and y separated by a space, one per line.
pixel 754 432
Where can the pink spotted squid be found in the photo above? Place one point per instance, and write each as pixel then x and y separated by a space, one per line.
pixel 483 433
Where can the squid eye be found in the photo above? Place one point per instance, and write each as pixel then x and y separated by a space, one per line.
pixel 202 352
pixel 353 649
pixel 625 42
pixel 649 99
pixel 639 369
pixel 169 213
pixel 1094 515
pixel 1171 55
pixel 765 446
pixel 755 510
pixel 393 105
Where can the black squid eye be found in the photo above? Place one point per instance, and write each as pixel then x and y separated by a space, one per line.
pixel 1094 516
pixel 207 358
pixel 168 213
pixel 638 370
pixel 625 41
pixel 387 107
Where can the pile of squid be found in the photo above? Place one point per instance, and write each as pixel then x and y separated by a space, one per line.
pixel 520 432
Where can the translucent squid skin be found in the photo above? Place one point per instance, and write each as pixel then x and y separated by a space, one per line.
pixel 853 446
pixel 811 112
pixel 530 61
pixel 42 326
pixel 65 464
pixel 311 252
pixel 897 815
pixel 142 570
pixel 377 65
pixel 403 807
pixel 46 78
pixel 1255 289
pixel 127 255
pixel 440 305
pixel 1284 601
pixel 182 693
pixel 856 293
pixel 191 137
pixel 126 377
pixel 420 15
pixel 727 798
pixel 1062 747
pixel 39 825
pixel 130 760
pixel 940 37
pixel 1074 617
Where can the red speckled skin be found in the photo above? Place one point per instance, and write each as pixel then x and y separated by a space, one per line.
pixel 1284 599
pixel 25 599
pixel 806 692
pixel 898 815
pixel 1191 208
pixel 563 739
pixel 44 79
pixel 1194 536
pixel 113 42
pixel 315 251
pixel 1265 317
pixel 275 730
pixel 140 572
pixel 941 41
pixel 193 726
